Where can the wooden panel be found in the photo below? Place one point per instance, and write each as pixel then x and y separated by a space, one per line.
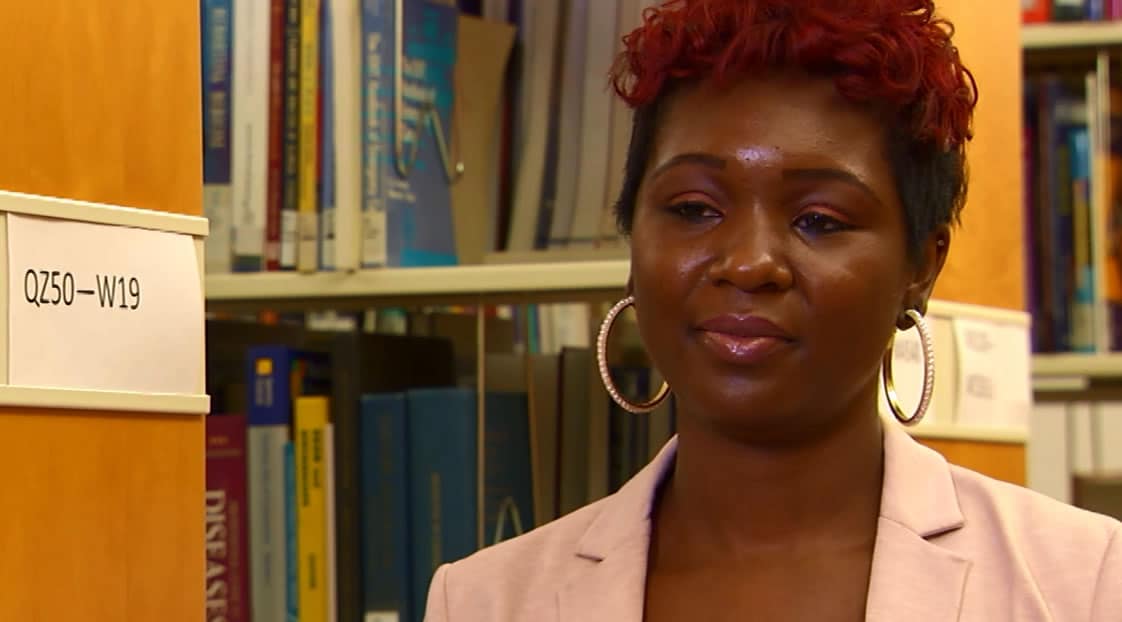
pixel 986 262
pixel 1004 461
pixel 101 101
pixel 102 516
pixel 102 512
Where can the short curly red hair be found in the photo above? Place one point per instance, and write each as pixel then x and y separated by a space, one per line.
pixel 894 54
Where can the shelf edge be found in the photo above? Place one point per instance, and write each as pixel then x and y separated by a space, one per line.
pixel 101 213
pixel 83 399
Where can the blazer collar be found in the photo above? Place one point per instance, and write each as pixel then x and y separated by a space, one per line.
pixel 611 583
pixel 911 574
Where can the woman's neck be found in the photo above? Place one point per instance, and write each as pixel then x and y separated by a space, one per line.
pixel 727 497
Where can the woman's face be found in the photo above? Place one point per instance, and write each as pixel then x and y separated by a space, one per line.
pixel 769 262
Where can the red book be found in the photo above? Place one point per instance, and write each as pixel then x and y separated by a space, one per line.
pixel 227 520
pixel 1036 11
pixel 275 195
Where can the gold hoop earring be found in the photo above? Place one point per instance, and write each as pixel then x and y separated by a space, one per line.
pixel 928 373
pixel 602 363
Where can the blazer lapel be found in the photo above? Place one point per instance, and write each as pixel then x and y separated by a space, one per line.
pixel 609 582
pixel 609 590
pixel 913 578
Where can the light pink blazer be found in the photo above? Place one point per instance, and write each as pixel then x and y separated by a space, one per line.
pixel 951 545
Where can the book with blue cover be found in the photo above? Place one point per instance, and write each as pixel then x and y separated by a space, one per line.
pixel 443 471
pixel 407 201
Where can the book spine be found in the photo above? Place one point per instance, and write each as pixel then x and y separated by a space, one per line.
pixel 420 203
pixel 250 132
pixel 274 200
pixel 508 483
pixel 327 231
pixel 311 535
pixel 330 541
pixel 346 44
pixel 291 143
pixel 1083 304
pixel 292 559
pixel 377 76
pixel 385 534
pixel 217 41
pixel 266 517
pixel 307 253
pixel 443 486
pixel 227 526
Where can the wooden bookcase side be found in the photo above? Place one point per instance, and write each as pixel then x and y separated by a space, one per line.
pixel 103 517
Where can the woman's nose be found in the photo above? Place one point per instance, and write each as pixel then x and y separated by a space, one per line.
pixel 750 253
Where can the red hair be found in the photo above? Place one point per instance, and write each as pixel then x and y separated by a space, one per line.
pixel 894 53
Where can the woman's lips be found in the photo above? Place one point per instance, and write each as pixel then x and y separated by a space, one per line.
pixel 743 339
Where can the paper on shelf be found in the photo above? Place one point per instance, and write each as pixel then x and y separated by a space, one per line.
pixel 102 307
pixel 994 383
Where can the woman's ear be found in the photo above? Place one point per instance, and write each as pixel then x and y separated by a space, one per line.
pixel 932 257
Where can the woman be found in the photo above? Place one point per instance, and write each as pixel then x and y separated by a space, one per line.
pixel 794 172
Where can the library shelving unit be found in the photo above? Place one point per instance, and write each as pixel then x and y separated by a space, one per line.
pixel 1076 424
pixel 102 508
pixel 981 279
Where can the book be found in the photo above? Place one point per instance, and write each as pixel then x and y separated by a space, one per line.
pixel 444 478
pixel 311 506
pixel 227 523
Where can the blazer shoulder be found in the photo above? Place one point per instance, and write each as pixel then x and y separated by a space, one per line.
pixel 999 503
pixel 1067 557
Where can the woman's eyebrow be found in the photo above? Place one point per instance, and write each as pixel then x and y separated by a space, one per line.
pixel 705 159
pixel 830 174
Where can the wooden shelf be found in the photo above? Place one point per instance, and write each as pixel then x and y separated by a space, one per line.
pixel 1060 36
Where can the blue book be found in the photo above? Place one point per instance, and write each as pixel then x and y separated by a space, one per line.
pixel 407 218
pixel 384 469
pixel 217 47
pixel 292 558
pixel 217 28
pixel 443 477
pixel 326 178
pixel 377 127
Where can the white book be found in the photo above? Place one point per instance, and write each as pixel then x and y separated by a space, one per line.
pixel 346 51
pixel 569 117
pixel 596 125
pixel 540 42
pixel 267 539
pixel 249 133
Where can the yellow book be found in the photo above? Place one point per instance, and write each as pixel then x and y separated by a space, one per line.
pixel 311 507
pixel 307 250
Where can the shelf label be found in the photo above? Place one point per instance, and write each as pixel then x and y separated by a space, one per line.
pixel 994 375
pixel 103 307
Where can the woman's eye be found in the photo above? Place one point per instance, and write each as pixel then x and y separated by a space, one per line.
pixel 694 211
pixel 819 223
